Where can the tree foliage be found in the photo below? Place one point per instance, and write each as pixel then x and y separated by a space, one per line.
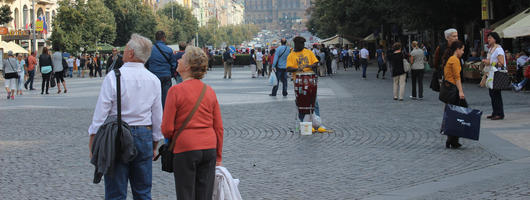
pixel 357 18
pixel 79 24
pixel 212 34
pixel 5 14
pixel 179 21
pixel 131 16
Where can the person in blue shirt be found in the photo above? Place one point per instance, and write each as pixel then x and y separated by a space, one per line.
pixel 345 57
pixel 279 66
pixel 162 63
pixel 178 55
pixel 356 59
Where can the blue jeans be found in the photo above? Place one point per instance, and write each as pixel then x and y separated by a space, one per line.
pixel 364 63
pixel 30 79
pixel 138 172
pixel 281 75
pixel 165 83
pixel 317 112
pixel 70 71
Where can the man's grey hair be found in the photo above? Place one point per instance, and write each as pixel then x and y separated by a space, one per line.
pixel 450 31
pixel 141 46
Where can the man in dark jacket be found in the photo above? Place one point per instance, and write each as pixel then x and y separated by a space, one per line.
pixel 114 61
pixel 162 62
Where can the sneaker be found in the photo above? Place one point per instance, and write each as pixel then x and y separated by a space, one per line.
pixel 421 98
pixel 413 98
pixel 322 129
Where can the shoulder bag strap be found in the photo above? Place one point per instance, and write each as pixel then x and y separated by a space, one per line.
pixel 118 92
pixel 165 56
pixel 174 139
pixel 278 61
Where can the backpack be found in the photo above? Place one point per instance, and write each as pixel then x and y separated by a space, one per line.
pixel 228 58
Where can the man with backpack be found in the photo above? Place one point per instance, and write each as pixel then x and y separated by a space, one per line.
pixel 228 62
pixel 162 63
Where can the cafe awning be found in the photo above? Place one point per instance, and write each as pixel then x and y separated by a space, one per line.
pixel 12 46
pixel 335 40
pixel 370 37
pixel 516 26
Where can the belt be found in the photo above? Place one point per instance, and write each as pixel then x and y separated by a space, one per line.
pixel 150 127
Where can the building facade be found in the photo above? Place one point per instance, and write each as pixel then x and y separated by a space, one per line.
pixel 227 12
pixel 23 15
pixel 274 14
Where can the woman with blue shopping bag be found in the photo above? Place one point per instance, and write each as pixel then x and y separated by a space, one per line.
pixel 451 91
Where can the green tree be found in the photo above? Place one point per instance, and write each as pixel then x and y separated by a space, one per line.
pixel 99 23
pixel 131 16
pixel 5 14
pixel 67 25
pixel 183 24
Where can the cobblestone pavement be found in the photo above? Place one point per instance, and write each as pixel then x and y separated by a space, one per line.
pixel 379 145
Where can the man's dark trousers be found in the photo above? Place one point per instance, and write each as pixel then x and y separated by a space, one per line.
pixel 30 79
pixel 281 75
pixel 165 84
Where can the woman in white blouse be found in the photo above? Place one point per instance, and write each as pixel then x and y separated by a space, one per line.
pixel 496 59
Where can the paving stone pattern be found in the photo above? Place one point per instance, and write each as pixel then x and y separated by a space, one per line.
pixel 378 145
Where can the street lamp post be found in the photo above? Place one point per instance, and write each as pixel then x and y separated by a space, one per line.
pixel 34 40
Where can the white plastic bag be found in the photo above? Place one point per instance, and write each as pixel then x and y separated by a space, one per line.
pixel 225 186
pixel 489 80
pixel 317 122
pixel 273 81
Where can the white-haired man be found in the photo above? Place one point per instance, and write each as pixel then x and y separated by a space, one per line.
pixel 451 35
pixel 141 107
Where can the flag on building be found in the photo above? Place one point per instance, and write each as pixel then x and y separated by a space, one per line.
pixel 44 26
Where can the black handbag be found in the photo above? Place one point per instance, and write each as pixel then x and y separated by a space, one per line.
pixel 448 92
pixel 166 150
pixel 12 74
pixel 435 83
pixel 52 79
pixel 501 81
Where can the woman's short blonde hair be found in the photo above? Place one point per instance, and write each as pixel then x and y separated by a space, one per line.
pixel 197 60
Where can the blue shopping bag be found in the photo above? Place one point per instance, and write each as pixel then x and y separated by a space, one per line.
pixel 461 121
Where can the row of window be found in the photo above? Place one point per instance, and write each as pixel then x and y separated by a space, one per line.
pixel 267 4
pixel 26 23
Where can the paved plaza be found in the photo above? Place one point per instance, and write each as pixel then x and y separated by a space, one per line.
pixel 380 148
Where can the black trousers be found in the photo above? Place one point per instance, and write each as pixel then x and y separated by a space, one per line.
pixel 194 173
pixel 45 81
pixel 496 103
pixel 98 71
pixel 417 76
pixel 328 66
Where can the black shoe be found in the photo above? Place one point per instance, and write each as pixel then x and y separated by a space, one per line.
pixel 447 145
pixel 26 86
pixel 377 76
pixel 456 145
pixel 272 95
pixel 489 116
pixel 497 117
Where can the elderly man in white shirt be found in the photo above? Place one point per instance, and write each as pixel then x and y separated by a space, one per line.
pixel 142 109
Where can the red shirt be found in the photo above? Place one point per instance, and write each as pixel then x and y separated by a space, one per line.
pixel 31 63
pixel 205 129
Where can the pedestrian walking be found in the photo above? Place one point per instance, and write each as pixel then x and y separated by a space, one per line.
pixel 21 66
pixel 265 63
pixel 417 58
pixel 141 109
pixel 279 64
pixel 323 61
pixel 58 70
pixel 334 60
pixel 91 65
pixel 228 63
pixel 32 61
pixel 365 56
pixel 199 142
pixel 345 57
pixel 114 62
pixel 398 72
pixel 495 61
pixel 253 63
pixel 356 59
pixel 259 61
pixel 70 61
pixel 161 63
pixel 270 60
pixel 9 68
pixel 46 69
pixel 97 65
pixel 380 55
pixel 452 70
